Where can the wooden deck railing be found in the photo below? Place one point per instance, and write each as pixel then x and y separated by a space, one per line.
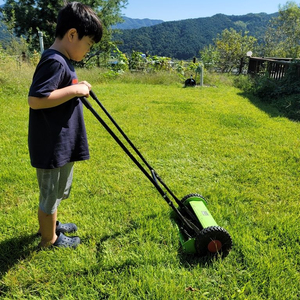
pixel 275 67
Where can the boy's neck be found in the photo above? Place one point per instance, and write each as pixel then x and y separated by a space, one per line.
pixel 59 46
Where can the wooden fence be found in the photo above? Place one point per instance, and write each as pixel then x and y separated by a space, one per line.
pixel 275 67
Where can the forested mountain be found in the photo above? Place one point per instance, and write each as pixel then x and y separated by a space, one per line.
pixel 183 39
pixel 130 23
pixel 180 39
pixel 3 31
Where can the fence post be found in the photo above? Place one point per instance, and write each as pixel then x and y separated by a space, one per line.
pixel 41 41
pixel 199 70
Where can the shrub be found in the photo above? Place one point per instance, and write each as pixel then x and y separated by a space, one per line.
pixel 244 82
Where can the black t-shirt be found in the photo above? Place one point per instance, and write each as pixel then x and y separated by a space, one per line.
pixel 56 135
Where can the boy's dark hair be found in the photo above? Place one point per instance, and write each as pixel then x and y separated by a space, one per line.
pixel 82 18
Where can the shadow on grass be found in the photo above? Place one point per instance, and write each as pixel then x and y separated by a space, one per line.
pixel 271 110
pixel 287 106
pixel 12 251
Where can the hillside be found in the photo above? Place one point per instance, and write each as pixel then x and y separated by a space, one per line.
pixel 183 39
pixel 4 35
pixel 130 23
pixel 179 39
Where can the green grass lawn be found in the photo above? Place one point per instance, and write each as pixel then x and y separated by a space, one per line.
pixel 244 158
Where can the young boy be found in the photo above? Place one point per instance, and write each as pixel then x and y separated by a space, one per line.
pixel 57 135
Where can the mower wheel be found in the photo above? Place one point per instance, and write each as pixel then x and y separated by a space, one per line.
pixel 185 198
pixel 213 241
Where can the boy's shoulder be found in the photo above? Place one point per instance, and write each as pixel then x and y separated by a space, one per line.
pixel 53 71
pixel 51 54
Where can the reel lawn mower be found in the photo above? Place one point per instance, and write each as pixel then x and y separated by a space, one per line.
pixel 198 231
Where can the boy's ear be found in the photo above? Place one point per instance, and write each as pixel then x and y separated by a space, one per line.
pixel 71 34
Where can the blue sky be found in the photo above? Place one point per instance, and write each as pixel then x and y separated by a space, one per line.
pixel 171 10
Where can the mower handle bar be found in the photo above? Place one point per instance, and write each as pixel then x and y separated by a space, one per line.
pixel 152 171
pixel 93 95
pixel 154 178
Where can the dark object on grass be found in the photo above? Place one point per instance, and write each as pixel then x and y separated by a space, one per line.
pixel 190 82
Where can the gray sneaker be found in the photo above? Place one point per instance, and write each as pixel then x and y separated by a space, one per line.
pixel 66 242
pixel 65 228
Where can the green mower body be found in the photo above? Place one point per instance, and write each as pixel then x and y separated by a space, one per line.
pixel 212 240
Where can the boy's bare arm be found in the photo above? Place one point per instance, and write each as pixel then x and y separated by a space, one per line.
pixel 60 96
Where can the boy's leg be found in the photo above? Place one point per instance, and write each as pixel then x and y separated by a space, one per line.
pixel 55 185
pixel 48 231
pixel 47 228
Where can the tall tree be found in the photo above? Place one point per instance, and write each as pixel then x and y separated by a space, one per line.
pixel 210 56
pixel 232 47
pixel 283 33
pixel 31 16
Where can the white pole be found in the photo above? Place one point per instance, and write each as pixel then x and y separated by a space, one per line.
pixel 41 41
pixel 200 70
pixel 201 81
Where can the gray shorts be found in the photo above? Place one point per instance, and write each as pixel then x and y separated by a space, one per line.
pixel 55 185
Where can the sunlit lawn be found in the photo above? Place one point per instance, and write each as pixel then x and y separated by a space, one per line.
pixel 210 140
